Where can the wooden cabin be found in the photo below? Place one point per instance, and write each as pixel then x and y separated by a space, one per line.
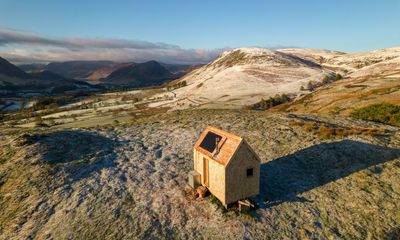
pixel 226 165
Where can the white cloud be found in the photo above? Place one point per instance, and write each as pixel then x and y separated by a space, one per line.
pixel 26 47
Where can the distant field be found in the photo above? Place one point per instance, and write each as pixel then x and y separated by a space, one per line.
pixel 91 111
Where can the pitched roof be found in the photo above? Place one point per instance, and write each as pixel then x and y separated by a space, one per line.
pixel 228 144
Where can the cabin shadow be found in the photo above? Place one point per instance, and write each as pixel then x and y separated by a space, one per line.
pixel 76 153
pixel 284 178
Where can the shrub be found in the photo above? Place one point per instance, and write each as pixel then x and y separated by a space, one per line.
pixel 213 200
pixel 382 112
pixel 296 123
pixel 309 126
pixel 271 102
pixel 341 132
pixel 326 80
pixel 326 132
pixel 132 98
pixel 177 85
pixel 52 102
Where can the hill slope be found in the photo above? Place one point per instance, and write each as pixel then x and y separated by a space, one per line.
pixel 373 77
pixel 8 70
pixel 33 67
pixel 79 69
pixel 139 75
pixel 352 63
pixel 243 76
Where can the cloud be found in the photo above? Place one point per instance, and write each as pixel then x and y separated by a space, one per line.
pixel 8 36
pixel 20 56
pixel 26 47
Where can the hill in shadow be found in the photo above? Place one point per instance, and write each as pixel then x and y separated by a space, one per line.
pixel 10 70
pixel 150 73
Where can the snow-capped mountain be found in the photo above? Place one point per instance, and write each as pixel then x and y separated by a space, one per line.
pixel 245 75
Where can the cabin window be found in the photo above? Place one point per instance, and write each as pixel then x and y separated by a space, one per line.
pixel 249 172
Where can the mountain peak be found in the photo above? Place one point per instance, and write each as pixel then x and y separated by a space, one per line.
pixel 248 52
pixel 143 74
pixel 251 56
pixel 10 70
pixel 152 62
pixel 253 50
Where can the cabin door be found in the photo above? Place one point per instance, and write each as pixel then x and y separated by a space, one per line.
pixel 205 171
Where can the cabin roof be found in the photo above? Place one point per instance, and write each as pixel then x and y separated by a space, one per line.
pixel 228 144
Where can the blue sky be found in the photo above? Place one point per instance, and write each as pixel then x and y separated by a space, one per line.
pixel 202 27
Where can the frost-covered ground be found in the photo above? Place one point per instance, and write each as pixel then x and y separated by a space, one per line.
pixel 130 181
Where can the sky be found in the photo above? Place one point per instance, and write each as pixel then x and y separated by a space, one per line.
pixel 189 31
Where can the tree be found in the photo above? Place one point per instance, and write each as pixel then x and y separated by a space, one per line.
pixel 326 80
pixel 271 102
pixel 284 98
pixel 263 103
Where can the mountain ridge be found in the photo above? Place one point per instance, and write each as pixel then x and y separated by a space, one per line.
pixel 245 75
pixel 10 70
pixel 14 81
pixel 140 75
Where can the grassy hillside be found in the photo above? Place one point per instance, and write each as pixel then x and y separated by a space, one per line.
pixel 344 96
pixel 382 112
